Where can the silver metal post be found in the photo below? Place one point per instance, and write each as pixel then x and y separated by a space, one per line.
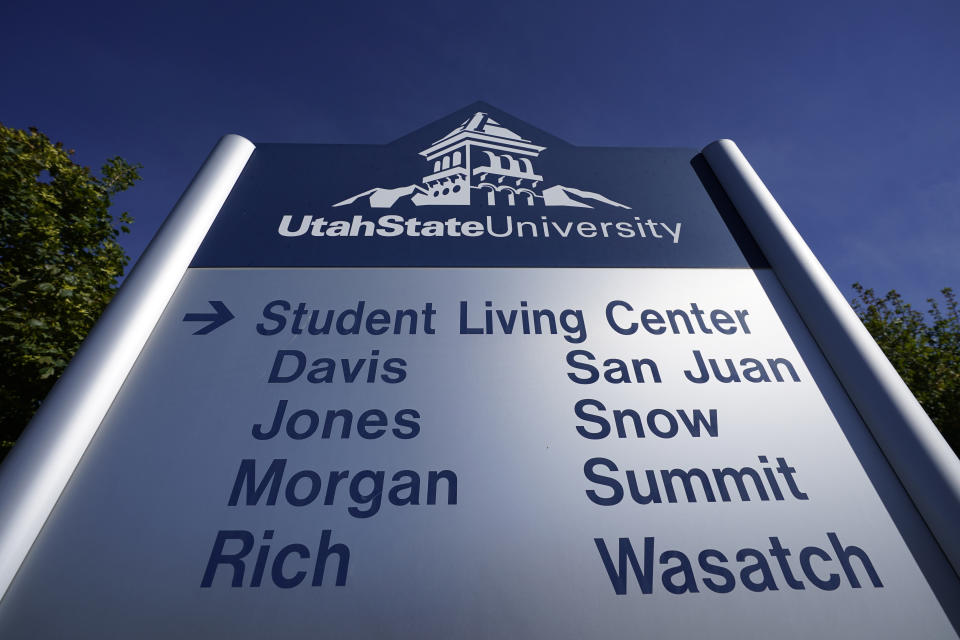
pixel 38 468
pixel 921 458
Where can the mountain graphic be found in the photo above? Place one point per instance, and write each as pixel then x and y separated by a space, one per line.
pixel 380 198
pixel 561 196
pixel 555 196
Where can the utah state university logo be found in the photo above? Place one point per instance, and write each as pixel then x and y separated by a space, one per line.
pixel 481 162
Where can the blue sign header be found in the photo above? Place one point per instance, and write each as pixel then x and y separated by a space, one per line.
pixel 476 189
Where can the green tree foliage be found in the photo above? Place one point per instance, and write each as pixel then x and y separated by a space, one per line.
pixel 59 264
pixel 924 349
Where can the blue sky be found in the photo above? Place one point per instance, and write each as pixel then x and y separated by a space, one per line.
pixel 849 111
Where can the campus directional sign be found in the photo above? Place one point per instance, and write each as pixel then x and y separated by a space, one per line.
pixel 480 383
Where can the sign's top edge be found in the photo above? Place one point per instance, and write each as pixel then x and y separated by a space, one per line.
pixel 692 151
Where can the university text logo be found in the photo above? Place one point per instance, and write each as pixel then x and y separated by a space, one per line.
pixel 480 163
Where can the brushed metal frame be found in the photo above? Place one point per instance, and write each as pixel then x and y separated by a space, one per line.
pixel 37 470
pixel 918 454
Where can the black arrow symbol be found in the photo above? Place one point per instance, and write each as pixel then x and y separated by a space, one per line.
pixel 221 317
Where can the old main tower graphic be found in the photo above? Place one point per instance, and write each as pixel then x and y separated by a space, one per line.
pixel 481 162
pixel 481 154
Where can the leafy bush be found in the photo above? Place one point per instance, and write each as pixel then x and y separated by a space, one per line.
pixel 924 349
pixel 59 264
